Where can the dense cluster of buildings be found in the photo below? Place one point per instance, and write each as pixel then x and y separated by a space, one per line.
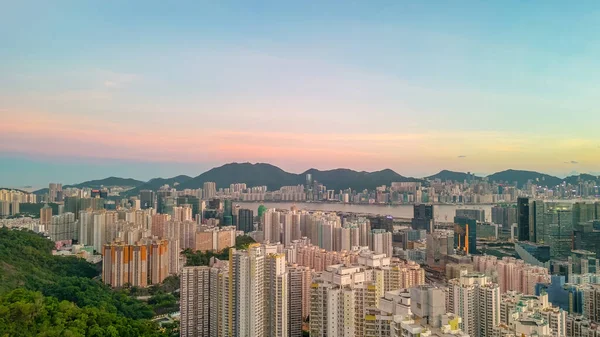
pixel 10 201
pixel 512 274
pixel 563 226
pixel 325 230
pixel 257 292
pixel 343 274
pixel 471 191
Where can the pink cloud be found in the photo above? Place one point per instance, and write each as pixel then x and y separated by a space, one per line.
pixel 38 133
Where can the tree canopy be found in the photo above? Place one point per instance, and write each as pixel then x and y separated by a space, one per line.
pixel 200 258
pixel 46 295
pixel 29 313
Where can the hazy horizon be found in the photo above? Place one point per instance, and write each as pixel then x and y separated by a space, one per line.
pixel 147 175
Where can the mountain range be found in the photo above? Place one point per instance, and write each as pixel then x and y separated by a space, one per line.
pixel 510 177
pixel 273 177
pixel 106 182
pixel 446 175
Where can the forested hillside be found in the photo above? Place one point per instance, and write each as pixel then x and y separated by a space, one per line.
pixel 46 295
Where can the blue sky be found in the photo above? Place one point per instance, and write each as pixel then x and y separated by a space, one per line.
pixel 159 89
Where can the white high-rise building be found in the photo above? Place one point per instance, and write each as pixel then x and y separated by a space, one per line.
pixel 220 304
pixel 296 231
pixel 271 222
pixel 62 227
pixel 259 292
pixel 286 225
pixel 86 229
pixel 247 291
pixel 265 222
pixel 247 296
pixel 276 296
pixel 427 303
pixel 99 231
pixel 209 191
pixel 54 191
pixel 381 242
pixel 339 297
pixel 181 213
pixel 477 301
pixel 97 228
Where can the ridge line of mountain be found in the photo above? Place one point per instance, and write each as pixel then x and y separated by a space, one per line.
pixel 273 177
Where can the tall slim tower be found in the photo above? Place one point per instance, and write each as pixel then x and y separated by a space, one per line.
pixel 523 219
pixel 423 217
pixel 286 226
pixel 220 313
pixel 195 299
pixel 247 291
pixel 45 216
pixel 54 192
pixel 146 199
pixel 381 242
pixel 276 296
pixel 209 191
pixel 246 220
pixel 298 298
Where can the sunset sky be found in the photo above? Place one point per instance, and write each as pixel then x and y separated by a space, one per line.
pixel 90 89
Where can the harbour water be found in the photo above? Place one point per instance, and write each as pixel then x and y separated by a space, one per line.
pixel 442 213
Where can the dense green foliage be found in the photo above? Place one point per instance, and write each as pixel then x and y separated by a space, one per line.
pixel 171 329
pixel 169 285
pixel 25 260
pixel 164 303
pixel 242 241
pixel 46 295
pixel 573 180
pixel 163 298
pixel 110 181
pixel 445 175
pixel 200 258
pixel 521 177
pixel 86 292
pixel 29 313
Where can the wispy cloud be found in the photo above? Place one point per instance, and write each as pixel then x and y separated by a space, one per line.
pixel 111 84
pixel 462 156
pixel 572 162
pixel 115 80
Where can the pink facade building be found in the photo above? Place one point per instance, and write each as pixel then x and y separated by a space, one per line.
pixel 512 274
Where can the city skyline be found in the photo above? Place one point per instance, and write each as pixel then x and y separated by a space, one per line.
pixel 139 171
pixel 284 169
pixel 161 90
pixel 39 182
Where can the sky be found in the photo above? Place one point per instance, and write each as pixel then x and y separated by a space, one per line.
pixel 144 89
